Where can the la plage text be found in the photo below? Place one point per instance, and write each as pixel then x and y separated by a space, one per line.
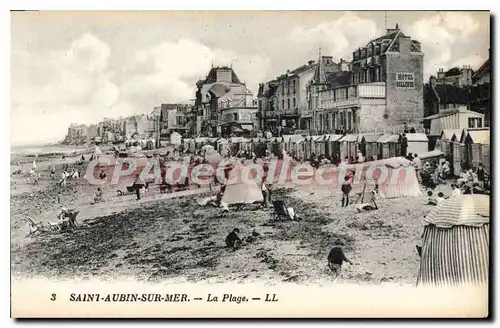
pixel 150 297
pixel 155 297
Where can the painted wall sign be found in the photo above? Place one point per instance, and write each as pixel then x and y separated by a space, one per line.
pixel 405 80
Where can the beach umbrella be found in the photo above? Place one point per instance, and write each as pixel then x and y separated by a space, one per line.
pixel 214 158
pixel 455 246
pixel 206 147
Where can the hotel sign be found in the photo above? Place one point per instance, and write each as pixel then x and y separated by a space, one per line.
pixel 405 80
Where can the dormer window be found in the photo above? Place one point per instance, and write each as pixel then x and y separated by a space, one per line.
pixel 395 46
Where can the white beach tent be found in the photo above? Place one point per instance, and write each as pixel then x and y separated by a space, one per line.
pixel 241 191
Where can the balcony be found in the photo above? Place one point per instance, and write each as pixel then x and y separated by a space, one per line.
pixel 339 103
pixel 371 90
pixel 282 113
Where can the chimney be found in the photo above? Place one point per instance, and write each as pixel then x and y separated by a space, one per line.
pixel 310 62
pixel 392 30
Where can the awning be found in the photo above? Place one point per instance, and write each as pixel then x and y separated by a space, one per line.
pixel 333 137
pixel 479 137
pixel 416 137
pixel 451 134
pixel 349 138
pixel 389 138
pixel 371 137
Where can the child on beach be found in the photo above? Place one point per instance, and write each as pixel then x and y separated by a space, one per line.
pixel 336 258
pixel 346 189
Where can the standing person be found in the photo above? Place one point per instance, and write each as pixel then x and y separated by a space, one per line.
pixel 336 258
pixel 62 182
pixel 265 193
pixel 138 184
pixel 346 189
pixel 360 157
pixel 481 174
pixel 404 145
pixel 417 164
pixel 405 128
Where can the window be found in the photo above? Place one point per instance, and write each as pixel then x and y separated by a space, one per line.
pixel 349 120
pixel 294 103
pixel 475 122
pixel 287 87
pixel 282 88
pixel 260 105
pixel 283 104
pixel 235 116
pixel 334 121
pixel 341 94
pixel 288 104
pixel 294 86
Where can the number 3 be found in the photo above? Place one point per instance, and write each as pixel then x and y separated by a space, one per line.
pixel 53 297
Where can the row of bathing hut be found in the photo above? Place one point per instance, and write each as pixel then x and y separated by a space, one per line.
pixel 376 146
pixel 463 146
pixel 466 146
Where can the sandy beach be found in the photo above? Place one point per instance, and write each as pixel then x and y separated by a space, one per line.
pixel 170 236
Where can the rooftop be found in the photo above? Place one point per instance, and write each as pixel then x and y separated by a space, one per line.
pixel 212 75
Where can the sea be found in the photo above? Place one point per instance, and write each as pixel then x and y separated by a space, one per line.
pixel 45 149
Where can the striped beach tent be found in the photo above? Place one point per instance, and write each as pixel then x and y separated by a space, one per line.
pixel 455 246
pixel 403 181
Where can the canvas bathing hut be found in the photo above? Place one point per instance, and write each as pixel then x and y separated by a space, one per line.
pixel 308 146
pixel 369 145
pixel 286 141
pixel 447 138
pixel 348 146
pixel 175 138
pixel 222 145
pixel 417 143
pixel 332 146
pixel 455 243
pixel 477 147
pixel 200 142
pixel 188 144
pixel 389 146
pixel 274 145
pixel 296 145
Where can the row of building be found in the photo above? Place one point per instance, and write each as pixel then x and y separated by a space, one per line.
pixel 380 89
pixel 157 125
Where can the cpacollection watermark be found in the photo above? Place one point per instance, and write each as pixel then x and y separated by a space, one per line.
pixel 233 171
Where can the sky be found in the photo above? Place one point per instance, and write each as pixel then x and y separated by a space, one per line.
pixel 83 66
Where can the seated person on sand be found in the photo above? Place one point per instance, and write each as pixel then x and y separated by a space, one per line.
pixel 456 191
pixel 98 196
pixel 370 206
pixel 68 218
pixel 52 172
pixel 232 240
